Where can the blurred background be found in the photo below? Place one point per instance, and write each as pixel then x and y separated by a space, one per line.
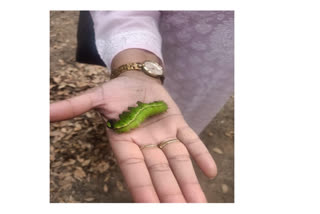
pixel 82 165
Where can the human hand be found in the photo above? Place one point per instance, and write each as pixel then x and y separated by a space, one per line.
pixel 152 174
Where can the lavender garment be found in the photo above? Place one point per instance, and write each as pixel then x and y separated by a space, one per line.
pixel 197 50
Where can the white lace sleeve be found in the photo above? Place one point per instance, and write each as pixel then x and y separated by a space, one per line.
pixel 116 31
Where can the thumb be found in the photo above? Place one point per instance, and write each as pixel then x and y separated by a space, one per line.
pixel 72 107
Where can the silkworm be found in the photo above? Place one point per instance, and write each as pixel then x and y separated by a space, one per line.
pixel 136 115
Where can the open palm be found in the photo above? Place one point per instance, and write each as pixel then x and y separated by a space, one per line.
pixel 152 174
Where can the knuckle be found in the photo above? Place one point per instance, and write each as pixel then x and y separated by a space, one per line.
pixel 131 160
pixel 159 167
pixel 180 157
pixel 188 136
pixel 172 197
pixel 192 141
pixel 198 154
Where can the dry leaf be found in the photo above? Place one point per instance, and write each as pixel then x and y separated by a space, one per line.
pixel 79 173
pixel 224 188
pixel 229 134
pixel 119 186
pixel 77 127
pixel 86 162
pixel 64 130
pixel 65 123
pixel 82 84
pixel 61 61
pixel 66 186
pixel 62 93
pixel 71 85
pixel 89 114
pixel 96 81
pixel 68 178
pixel 62 85
pixel 217 150
pixel 69 162
pixel 71 199
pixel 80 65
pixel 80 159
pixel 105 188
pixel 57 79
pixel 56 164
pixel 103 166
pixel 91 70
pixel 107 178
pixel 55 133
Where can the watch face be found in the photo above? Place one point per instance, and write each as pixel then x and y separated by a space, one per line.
pixel 153 68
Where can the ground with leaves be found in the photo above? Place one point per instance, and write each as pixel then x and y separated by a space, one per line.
pixel 82 165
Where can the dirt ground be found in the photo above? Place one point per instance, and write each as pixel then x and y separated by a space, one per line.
pixel 82 165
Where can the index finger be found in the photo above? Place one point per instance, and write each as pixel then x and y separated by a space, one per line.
pixel 72 107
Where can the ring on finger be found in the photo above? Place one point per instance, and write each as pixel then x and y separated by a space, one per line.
pixel 166 142
pixel 148 146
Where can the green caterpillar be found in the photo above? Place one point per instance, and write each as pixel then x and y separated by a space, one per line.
pixel 136 115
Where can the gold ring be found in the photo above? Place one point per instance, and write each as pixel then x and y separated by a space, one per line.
pixel 164 143
pixel 148 146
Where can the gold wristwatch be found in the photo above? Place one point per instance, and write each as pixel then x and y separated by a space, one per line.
pixel 150 68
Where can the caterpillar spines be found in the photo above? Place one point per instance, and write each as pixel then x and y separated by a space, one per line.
pixel 136 115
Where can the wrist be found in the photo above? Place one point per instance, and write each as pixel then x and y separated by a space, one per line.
pixel 137 63
pixel 133 55
pixel 140 75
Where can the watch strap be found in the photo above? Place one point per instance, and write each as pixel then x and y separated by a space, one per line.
pixel 135 66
